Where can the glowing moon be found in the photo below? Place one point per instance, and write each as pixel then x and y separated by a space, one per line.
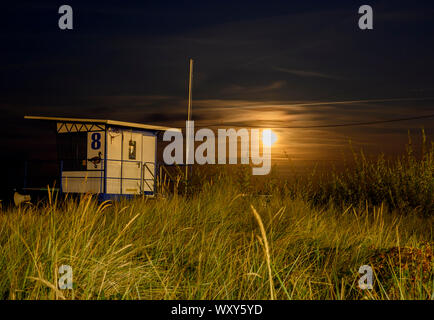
pixel 268 137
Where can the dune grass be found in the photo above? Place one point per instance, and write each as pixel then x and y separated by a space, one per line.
pixel 210 247
pixel 225 242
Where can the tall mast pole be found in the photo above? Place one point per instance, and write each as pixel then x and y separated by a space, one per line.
pixel 190 82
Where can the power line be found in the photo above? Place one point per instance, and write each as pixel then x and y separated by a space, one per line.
pixel 325 103
pixel 352 124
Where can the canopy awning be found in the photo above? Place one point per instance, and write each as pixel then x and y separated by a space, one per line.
pixel 107 122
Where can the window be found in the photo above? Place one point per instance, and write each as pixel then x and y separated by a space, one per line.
pixel 72 150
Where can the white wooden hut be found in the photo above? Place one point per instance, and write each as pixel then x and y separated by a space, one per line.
pixel 106 157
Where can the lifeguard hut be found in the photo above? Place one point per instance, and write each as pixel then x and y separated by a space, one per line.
pixel 106 157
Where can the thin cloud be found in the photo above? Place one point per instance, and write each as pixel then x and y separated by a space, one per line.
pixel 254 89
pixel 304 73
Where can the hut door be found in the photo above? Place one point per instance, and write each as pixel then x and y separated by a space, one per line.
pixel 148 157
pixel 132 162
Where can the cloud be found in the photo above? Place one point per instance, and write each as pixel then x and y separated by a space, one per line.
pixel 304 73
pixel 254 89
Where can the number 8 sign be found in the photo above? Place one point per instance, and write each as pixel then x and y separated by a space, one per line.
pixel 95 150
pixel 96 140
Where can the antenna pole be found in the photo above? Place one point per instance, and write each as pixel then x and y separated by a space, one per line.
pixel 190 82
pixel 189 89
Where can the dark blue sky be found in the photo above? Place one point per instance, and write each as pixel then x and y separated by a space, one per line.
pixel 141 48
pixel 264 63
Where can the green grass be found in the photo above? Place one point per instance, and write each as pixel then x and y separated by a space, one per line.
pixel 306 241
pixel 405 184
